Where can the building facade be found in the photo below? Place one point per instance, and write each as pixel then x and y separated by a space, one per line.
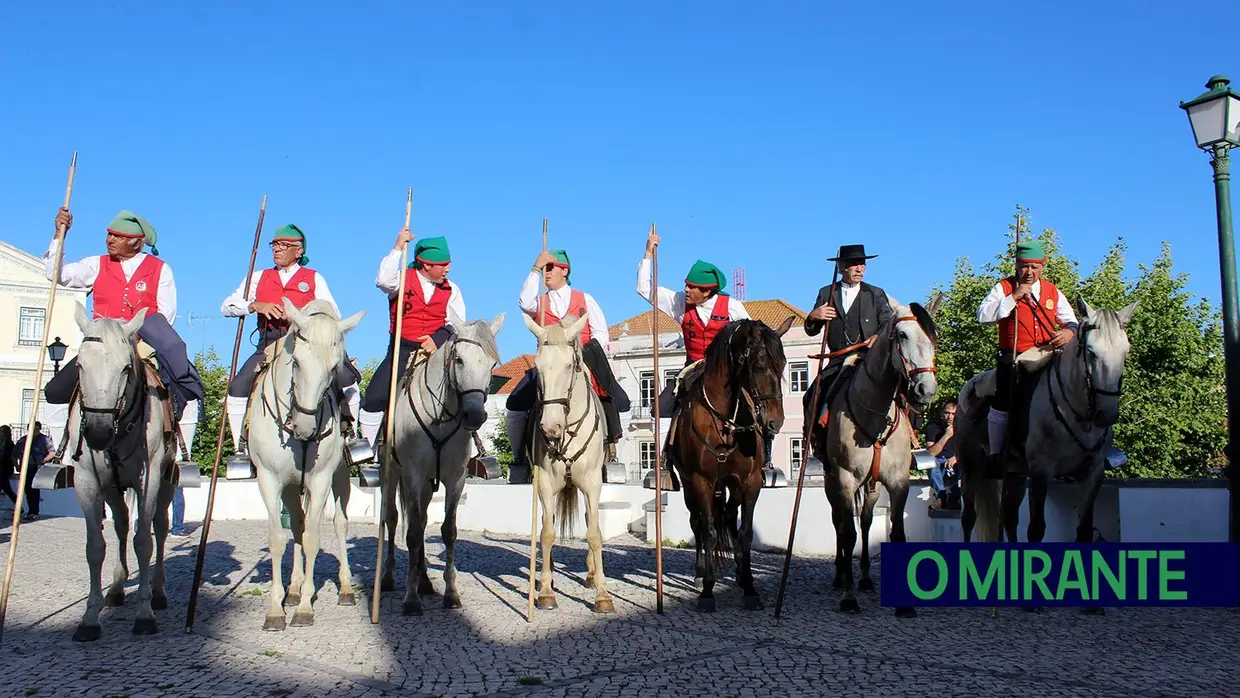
pixel 23 314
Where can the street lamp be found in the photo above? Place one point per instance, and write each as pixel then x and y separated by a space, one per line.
pixel 56 352
pixel 1215 118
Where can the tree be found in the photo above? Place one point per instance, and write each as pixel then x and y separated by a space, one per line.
pixel 368 372
pixel 214 386
pixel 501 447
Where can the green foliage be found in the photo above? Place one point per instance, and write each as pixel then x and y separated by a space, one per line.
pixel 501 447
pixel 368 372
pixel 1173 407
pixel 214 385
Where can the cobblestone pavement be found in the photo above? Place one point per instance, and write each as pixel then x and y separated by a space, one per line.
pixel 487 648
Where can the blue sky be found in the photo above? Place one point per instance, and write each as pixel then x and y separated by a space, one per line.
pixel 757 135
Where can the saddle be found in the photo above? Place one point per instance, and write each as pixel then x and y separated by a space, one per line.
pixel 979 390
pixel 264 365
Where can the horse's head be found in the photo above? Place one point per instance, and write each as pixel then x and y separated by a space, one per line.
pixel 914 341
pixel 754 354
pixel 315 344
pixel 559 362
pixel 1102 348
pixel 472 356
pixel 108 371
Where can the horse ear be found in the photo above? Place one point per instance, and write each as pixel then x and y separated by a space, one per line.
pixel 1083 309
pixel 787 325
pixel 350 322
pixel 131 328
pixel 574 330
pixel 1125 313
pixel 291 312
pixel 80 316
pixel 933 307
pixel 538 330
pixel 497 323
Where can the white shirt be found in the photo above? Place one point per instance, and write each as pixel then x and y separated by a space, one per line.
pixel 673 302
pixel 388 281
pixel 558 304
pixel 238 303
pixel 999 305
pixel 848 294
pixel 82 275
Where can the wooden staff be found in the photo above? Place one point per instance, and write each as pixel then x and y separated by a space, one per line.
pixel 390 430
pixel 805 448
pixel 658 445
pixel 542 320
pixel 219 439
pixel 994 610
pixel 59 243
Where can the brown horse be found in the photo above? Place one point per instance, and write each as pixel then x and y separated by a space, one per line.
pixel 728 406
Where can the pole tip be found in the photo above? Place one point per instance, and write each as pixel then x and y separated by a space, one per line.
pixel 73 162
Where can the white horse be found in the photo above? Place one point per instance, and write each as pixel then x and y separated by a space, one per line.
pixel 440 403
pixel 569 449
pixel 120 439
pixel 870 438
pixel 297 448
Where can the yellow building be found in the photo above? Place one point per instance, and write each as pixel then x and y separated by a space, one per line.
pixel 23 310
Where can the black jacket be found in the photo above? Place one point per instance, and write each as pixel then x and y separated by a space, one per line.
pixel 871 304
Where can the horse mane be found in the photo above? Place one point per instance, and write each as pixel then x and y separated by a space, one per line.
pixel 484 336
pixel 320 329
pixel 1106 321
pixel 719 350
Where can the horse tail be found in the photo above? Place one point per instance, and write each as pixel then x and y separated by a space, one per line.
pixel 566 503
pixel 725 535
pixel 988 503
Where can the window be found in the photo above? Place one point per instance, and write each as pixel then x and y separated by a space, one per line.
pixel 30 327
pixel 646 455
pixel 798 376
pixel 27 405
pixel 669 377
pixel 647 389
pixel 796 456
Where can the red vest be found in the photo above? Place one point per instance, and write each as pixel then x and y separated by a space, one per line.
pixel 270 290
pixel 118 299
pixel 699 336
pixel 421 318
pixel 1037 318
pixel 576 309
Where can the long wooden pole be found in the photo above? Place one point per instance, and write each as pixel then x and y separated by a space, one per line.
pixel 994 610
pixel 658 444
pixel 59 243
pixel 219 439
pixel 390 421
pixel 805 449
pixel 542 318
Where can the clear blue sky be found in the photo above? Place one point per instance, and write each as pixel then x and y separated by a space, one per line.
pixel 761 135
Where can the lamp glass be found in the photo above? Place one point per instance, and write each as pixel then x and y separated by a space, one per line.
pixel 56 351
pixel 1216 121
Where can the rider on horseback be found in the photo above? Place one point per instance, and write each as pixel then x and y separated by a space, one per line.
pixel 288 278
pixel 561 301
pixel 865 308
pixel 702 309
pixel 432 308
pixel 124 281
pixel 1045 319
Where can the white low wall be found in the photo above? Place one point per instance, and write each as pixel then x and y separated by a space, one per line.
pixel 1139 511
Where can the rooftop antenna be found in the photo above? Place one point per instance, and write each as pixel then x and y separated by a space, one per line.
pixel 738 283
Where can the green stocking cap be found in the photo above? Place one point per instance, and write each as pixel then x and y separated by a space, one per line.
pixel 128 224
pixel 1030 251
pixel 561 260
pixel 291 233
pixel 705 274
pixel 431 251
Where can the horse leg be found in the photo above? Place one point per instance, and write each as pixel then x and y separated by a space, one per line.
pixel 838 582
pixel 1037 519
pixel 744 555
pixel 865 583
pixel 899 499
pixel 340 492
pixel 319 489
pixel 296 522
pixel 968 511
pixel 415 543
pixel 592 490
pixel 143 546
pixel 88 629
pixel 120 573
pixel 1013 495
pixel 1085 522
pixel 425 588
pixel 705 495
pixel 390 518
pixel 270 488
pixel 546 595
pixel 451 597
pixel 841 489
pixel 159 600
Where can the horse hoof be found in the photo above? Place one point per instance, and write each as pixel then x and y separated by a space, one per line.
pixel 145 626
pixel 347 599
pixel 452 600
pixel 159 603
pixel 291 599
pixel 865 585
pixel 546 603
pixel 87 633
pixel 604 606
pixel 274 623
pixel 753 603
pixel 706 604
pixel 115 600
pixel 412 608
pixel 1094 611
pixel 849 606
pixel 906 612
pixel 838 583
pixel 302 620
pixel 425 588
pixel 387 585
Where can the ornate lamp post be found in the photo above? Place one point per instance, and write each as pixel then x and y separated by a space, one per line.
pixel 56 352
pixel 1215 118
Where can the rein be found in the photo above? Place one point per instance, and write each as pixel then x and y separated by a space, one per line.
pixel 728 427
pixel 557 451
pixel 1092 393
pixel 129 408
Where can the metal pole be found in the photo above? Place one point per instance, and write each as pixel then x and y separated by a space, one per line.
pixel 1231 325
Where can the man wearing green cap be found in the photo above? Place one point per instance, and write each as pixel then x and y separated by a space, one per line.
pixel 431 309
pixel 561 301
pixel 851 312
pixel 1043 317
pixel 122 282
pixel 702 309
pixel 290 278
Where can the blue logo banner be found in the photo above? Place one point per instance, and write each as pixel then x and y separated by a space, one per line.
pixel 1061 574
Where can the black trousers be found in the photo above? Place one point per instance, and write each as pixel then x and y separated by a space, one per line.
pixel 243 383
pixel 1004 371
pixel 377 393
pixel 522 398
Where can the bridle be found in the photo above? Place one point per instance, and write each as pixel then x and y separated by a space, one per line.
pixel 1092 391
pixel 572 428
pixel 746 396
pixel 130 405
pixel 295 407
